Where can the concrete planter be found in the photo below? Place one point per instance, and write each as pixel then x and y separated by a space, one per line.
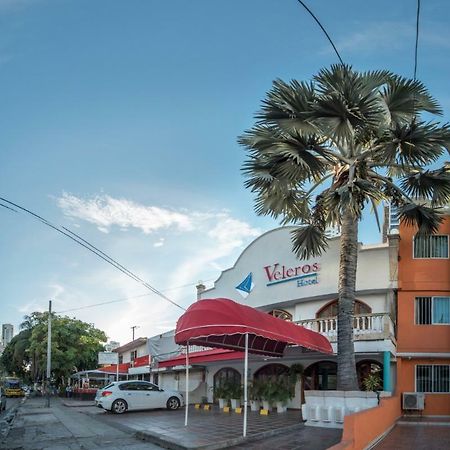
pixel 255 405
pixel 328 408
pixel 222 403
pixel 235 403
pixel 281 407
pixel 266 405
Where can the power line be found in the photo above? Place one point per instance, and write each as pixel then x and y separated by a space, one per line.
pixel 108 302
pixel 95 250
pixel 417 38
pixel 323 29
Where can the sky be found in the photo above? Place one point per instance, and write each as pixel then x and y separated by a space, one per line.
pixel 119 120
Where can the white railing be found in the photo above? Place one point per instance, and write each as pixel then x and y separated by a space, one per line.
pixel 367 326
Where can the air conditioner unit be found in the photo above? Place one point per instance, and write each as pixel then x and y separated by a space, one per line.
pixel 413 400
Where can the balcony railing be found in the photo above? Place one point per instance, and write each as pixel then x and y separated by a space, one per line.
pixel 365 326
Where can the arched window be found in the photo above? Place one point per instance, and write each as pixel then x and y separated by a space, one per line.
pixel 284 315
pixel 321 376
pixel 272 371
pixel 226 374
pixel 331 309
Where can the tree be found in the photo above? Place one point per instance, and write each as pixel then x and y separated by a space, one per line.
pixel 322 151
pixel 74 344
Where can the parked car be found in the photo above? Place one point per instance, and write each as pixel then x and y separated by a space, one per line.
pixel 2 399
pixel 122 396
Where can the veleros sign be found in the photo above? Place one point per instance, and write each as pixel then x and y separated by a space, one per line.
pixel 304 275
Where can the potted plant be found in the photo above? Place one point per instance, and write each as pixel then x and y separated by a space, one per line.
pixel 235 393
pixel 282 393
pixel 372 382
pixel 267 393
pixel 221 394
pixel 254 393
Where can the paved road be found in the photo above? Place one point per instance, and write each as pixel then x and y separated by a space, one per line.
pixel 10 404
pixel 37 427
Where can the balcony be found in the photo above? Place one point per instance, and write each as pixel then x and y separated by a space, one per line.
pixel 366 327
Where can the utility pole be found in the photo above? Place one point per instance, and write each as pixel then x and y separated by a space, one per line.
pixel 133 328
pixel 49 351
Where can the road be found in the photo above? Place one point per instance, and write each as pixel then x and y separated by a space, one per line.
pixel 10 403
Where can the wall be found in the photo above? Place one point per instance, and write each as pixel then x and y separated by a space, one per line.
pixel 421 278
pixel 437 404
pixel 365 427
pixel 275 247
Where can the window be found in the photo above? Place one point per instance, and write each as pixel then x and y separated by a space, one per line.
pixel 433 378
pixel 133 355
pixel 331 309
pixel 432 310
pixel 430 246
pixel 280 314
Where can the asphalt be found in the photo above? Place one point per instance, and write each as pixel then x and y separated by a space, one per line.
pixel 75 425
pixel 36 427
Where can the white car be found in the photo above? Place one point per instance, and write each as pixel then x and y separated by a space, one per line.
pixel 122 396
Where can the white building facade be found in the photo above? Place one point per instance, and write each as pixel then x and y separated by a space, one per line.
pixel 269 276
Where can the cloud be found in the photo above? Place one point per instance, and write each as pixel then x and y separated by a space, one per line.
pixel 105 212
pixel 159 243
pixel 195 245
pixel 377 36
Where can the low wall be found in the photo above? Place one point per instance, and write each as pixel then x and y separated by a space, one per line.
pixel 363 428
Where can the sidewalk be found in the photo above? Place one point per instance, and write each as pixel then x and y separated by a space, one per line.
pixel 37 427
pixel 423 433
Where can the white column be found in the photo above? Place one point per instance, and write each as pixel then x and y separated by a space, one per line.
pixel 245 385
pixel 187 386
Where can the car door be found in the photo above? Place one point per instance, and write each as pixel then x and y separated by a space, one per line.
pixel 152 396
pixel 130 393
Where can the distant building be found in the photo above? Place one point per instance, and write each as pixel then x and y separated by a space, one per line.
pixel 7 333
pixel 111 345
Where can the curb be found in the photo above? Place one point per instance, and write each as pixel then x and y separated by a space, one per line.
pixel 168 443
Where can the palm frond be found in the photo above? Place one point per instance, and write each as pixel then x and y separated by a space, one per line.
pixel 415 144
pixel 425 218
pixel 309 241
pixel 433 185
pixel 406 98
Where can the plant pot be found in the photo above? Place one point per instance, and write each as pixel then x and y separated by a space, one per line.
pixel 266 405
pixel 222 403
pixel 281 408
pixel 235 403
pixel 254 405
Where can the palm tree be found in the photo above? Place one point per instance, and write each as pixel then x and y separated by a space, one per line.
pixel 322 151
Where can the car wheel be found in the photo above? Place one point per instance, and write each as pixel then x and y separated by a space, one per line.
pixel 119 406
pixel 173 403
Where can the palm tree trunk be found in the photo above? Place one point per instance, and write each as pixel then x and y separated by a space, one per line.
pixel 346 372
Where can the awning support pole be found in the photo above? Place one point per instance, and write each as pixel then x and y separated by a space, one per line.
pixel 186 408
pixel 245 385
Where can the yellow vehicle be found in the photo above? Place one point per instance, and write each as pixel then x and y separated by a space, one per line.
pixel 12 387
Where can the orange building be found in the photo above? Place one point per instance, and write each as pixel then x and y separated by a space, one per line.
pixel 423 317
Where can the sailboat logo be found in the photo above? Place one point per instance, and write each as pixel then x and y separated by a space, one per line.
pixel 246 286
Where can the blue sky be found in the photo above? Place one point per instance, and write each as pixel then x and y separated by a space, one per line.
pixel 119 120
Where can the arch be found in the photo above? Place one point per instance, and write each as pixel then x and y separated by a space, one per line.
pixel 271 371
pixel 281 314
pixel 226 374
pixel 368 367
pixel 321 376
pixel 331 309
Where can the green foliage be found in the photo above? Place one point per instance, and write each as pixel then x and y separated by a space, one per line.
pixel 255 389
pixel 372 382
pixel 356 135
pixel 75 345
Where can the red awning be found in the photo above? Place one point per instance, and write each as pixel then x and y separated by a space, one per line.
pixel 223 323
pixel 203 357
